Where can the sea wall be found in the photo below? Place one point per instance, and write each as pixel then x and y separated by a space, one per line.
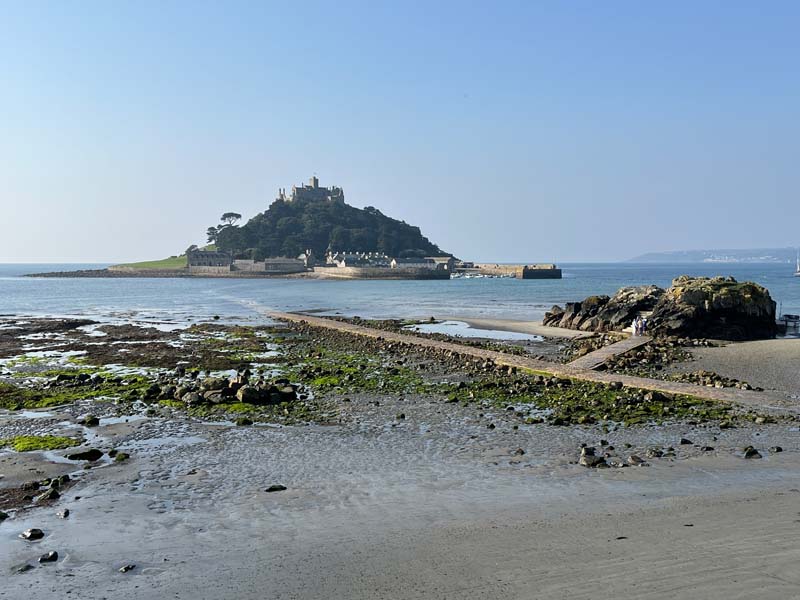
pixel 380 273
pixel 535 271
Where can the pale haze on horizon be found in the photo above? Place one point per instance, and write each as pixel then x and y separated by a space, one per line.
pixel 510 131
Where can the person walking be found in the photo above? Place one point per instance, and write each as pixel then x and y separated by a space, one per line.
pixel 643 327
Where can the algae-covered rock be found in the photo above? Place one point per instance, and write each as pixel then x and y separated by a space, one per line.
pixel 718 307
pixel 694 307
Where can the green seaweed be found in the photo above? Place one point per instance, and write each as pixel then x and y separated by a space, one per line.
pixel 15 397
pixel 582 402
pixel 29 443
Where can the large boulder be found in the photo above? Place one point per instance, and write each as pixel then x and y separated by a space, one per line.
pixel 694 307
pixel 715 307
pixel 604 313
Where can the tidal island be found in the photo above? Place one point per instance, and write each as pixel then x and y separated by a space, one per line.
pixel 311 232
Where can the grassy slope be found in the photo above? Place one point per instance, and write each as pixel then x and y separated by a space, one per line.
pixel 177 262
pixel 173 262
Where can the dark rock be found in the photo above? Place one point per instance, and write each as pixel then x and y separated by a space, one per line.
pixel 24 568
pixel 654 453
pixel 32 534
pixel 63 514
pixel 694 307
pixel 634 460
pixel 602 313
pixel 717 308
pixel 91 455
pixel 126 568
pixel 773 450
pixel 251 395
pixel 89 421
pixel 50 494
pixel 686 442
pixel 751 452
pixel 707 449
pixel 591 461
pixel 244 421
pixel 49 557
pixel 588 458
pixel 277 487
pixel 3 516
pixel 192 399
pixel 518 452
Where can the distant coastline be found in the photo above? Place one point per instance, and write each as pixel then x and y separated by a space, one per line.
pixel 721 256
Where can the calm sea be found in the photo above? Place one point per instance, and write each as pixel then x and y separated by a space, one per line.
pixel 169 299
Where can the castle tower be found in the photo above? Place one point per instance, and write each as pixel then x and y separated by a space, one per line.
pixel 314 182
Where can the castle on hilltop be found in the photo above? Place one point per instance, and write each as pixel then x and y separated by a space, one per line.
pixel 312 191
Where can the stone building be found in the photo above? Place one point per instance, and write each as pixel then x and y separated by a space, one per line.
pixel 448 262
pixel 208 261
pixel 414 263
pixel 312 191
pixel 358 259
pixel 276 265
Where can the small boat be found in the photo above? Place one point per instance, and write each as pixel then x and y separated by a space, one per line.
pixel 797 267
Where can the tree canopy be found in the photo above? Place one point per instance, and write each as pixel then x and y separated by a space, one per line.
pixel 288 228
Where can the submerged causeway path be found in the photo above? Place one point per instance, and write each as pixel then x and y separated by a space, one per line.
pixel 758 400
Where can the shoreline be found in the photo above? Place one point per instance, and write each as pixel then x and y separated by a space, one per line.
pixel 184 274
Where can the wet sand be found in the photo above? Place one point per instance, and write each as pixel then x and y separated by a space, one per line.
pixel 529 327
pixel 435 505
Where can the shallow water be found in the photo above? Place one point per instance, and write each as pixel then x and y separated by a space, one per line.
pixel 174 302
pixel 462 329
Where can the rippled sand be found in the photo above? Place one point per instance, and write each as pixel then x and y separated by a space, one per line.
pixel 436 505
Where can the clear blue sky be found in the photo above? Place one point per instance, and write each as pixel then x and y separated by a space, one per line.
pixel 554 131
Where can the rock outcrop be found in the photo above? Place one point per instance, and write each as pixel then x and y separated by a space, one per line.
pixel 694 307
pixel 717 308
pixel 604 313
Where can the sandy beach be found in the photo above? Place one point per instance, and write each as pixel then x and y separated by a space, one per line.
pixel 770 364
pixel 437 507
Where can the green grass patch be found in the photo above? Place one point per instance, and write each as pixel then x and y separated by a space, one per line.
pixel 29 443
pixel 173 262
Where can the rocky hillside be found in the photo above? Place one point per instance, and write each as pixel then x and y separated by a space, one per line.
pixel 697 307
pixel 288 228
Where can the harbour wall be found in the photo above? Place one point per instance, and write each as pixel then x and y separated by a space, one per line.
pixel 535 271
pixel 380 273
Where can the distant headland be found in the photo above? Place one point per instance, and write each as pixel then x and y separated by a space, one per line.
pixel 724 256
pixel 312 232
